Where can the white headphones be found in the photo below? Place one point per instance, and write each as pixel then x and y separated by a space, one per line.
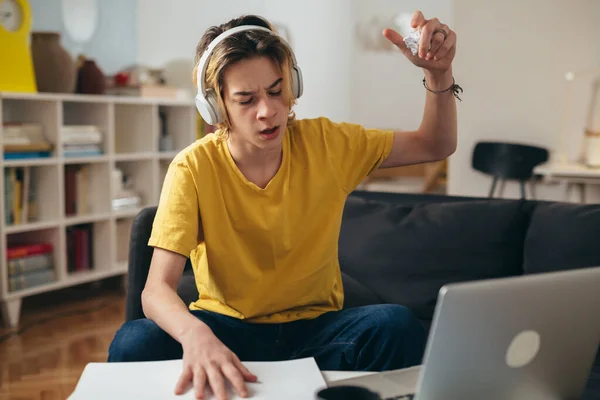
pixel 206 100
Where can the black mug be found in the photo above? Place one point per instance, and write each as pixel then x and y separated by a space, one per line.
pixel 347 393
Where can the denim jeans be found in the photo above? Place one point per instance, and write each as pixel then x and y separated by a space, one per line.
pixel 368 338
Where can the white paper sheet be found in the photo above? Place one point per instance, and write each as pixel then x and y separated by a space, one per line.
pixel 294 379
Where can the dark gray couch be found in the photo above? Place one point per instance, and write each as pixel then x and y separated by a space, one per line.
pixel 401 248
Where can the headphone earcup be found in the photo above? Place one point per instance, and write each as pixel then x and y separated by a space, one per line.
pixel 208 107
pixel 297 83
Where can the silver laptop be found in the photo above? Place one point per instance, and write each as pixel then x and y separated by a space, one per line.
pixel 530 337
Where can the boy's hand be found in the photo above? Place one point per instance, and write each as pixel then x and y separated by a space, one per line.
pixel 436 49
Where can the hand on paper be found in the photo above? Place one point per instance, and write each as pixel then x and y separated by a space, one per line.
pixel 435 51
pixel 208 362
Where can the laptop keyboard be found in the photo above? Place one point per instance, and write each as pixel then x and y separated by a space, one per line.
pixel 402 397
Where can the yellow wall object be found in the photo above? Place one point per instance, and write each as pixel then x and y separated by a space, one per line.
pixel 16 68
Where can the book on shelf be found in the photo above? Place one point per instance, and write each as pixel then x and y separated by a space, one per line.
pixel 81 140
pixel 20 195
pixel 23 132
pixel 80 250
pixel 151 91
pixel 30 265
pixel 27 148
pixel 76 189
pixel 21 265
pixel 126 199
pixel 81 134
pixel 25 140
pixel 19 155
pixel 82 150
pixel 31 279
pixel 25 250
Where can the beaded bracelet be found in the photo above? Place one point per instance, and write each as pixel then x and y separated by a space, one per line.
pixel 454 87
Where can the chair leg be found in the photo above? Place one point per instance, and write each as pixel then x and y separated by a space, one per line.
pixel 523 194
pixel 493 188
pixel 501 188
pixel 532 189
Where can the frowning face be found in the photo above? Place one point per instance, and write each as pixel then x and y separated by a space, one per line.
pixel 254 98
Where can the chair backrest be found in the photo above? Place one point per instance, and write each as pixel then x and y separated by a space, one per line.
pixel 507 160
pixel 140 256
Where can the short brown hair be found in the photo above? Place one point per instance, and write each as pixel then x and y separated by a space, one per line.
pixel 243 45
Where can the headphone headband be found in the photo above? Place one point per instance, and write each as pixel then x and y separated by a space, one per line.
pixel 206 102
pixel 203 63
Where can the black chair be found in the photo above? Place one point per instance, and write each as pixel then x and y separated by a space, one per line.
pixel 140 255
pixel 508 161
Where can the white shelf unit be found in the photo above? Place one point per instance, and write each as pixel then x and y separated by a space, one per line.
pixel 131 130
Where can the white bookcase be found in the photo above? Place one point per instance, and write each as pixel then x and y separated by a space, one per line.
pixel 131 129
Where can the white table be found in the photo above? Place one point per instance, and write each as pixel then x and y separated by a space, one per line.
pixel 332 376
pixel 404 381
pixel 574 175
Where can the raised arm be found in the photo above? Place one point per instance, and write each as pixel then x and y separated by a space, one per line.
pixel 436 137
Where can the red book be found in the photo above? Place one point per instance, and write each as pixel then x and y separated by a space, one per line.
pixel 28 250
pixel 70 190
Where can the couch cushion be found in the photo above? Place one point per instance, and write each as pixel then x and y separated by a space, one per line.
pixel 406 253
pixel 186 289
pixel 562 236
pixel 592 388
pixel 356 294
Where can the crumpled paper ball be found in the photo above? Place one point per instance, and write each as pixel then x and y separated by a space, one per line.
pixel 411 35
pixel 412 41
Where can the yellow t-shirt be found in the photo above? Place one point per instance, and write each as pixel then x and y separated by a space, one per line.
pixel 268 255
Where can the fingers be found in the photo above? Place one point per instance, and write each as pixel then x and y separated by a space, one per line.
pixel 234 375
pixel 446 47
pixel 433 45
pixel 235 372
pixel 396 39
pixel 217 382
pixel 248 376
pixel 199 383
pixel 184 381
pixel 427 36
pixel 437 41
pixel 417 20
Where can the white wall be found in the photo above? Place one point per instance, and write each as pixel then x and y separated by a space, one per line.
pixel 322 40
pixel 342 82
pixel 387 88
pixel 511 60
pixel 114 43
pixel 170 31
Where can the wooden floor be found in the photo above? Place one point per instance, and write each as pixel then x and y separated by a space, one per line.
pixel 59 333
